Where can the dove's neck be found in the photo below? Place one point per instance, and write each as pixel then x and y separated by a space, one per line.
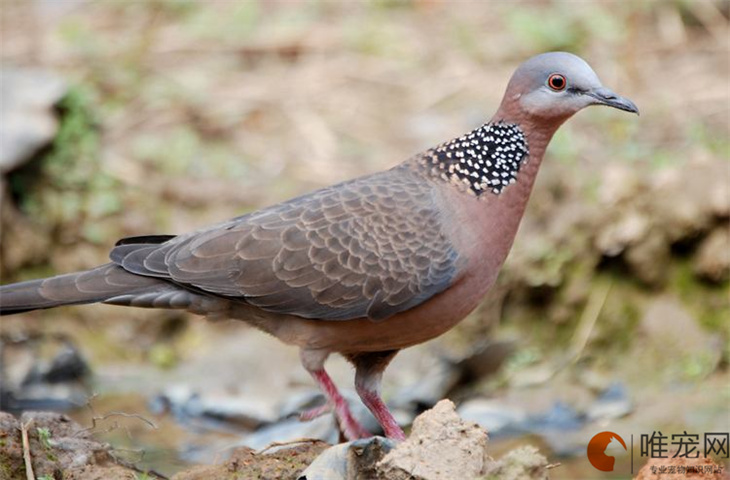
pixel 501 155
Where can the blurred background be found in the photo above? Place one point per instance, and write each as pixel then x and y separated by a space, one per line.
pixel 130 118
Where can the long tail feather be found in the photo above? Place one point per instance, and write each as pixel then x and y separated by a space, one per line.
pixel 96 285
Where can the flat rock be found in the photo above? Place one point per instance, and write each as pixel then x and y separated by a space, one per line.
pixel 356 460
pixel 323 428
pixel 215 407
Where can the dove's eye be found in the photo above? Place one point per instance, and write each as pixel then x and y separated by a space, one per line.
pixel 556 82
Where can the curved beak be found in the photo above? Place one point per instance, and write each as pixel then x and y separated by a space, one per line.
pixel 604 96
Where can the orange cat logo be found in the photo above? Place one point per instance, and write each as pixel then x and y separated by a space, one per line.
pixel 600 444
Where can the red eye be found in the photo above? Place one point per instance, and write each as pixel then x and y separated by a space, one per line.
pixel 556 82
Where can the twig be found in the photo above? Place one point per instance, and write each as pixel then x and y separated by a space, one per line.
pixel 100 418
pixel 578 342
pixel 132 466
pixel 106 416
pixel 550 466
pixel 284 444
pixel 29 475
pixel 96 418
pixel 587 321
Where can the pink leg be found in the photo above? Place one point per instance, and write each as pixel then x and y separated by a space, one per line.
pixel 315 412
pixel 350 427
pixel 371 398
pixel 368 374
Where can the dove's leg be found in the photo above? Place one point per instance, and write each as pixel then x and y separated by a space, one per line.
pixel 369 369
pixel 313 362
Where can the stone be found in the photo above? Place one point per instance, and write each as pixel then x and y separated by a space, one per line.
pixel 441 446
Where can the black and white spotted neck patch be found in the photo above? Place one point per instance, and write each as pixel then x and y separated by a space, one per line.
pixel 485 160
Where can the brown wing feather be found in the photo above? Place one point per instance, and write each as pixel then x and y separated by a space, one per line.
pixel 371 247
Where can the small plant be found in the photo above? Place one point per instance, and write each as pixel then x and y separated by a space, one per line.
pixel 44 436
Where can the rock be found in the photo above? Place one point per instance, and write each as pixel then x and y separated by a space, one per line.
pixel 349 461
pixel 67 365
pixel 330 465
pixel 232 410
pixel 524 463
pixel 712 261
pixel 322 428
pixel 27 98
pixel 364 456
pixel 441 446
pixel 31 382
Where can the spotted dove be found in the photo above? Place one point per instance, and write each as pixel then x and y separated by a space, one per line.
pixel 363 268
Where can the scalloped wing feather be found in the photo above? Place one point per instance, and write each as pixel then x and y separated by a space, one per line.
pixel 371 247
